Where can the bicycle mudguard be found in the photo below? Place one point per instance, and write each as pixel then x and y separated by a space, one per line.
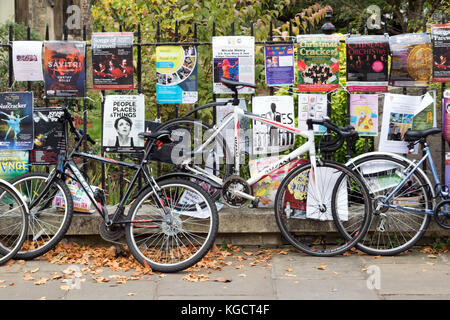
pixel 399 157
pixel 186 175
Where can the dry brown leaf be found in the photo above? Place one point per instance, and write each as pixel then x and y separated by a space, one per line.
pixel 10 263
pixel 43 298
pixel 430 263
pixel 34 270
pixel 322 266
pixel 3 286
pixel 239 266
pixel 242 275
pixel 377 257
pixel 131 294
pixel 248 253
pixel 2 281
pixel 27 277
pixel 289 275
pixel 21 262
pixel 289 269
pixel 41 281
pixel 65 288
pixel 335 273
pixel 11 284
pixel 222 279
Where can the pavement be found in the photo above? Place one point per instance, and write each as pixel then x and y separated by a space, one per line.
pixel 287 275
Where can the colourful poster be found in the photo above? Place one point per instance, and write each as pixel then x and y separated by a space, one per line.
pixel 64 68
pixel 112 60
pixel 176 74
pixel 446 116
pixel 447 169
pixel 234 59
pixel 441 52
pixel 317 58
pixel 367 63
pixel 13 164
pixel 49 136
pixel 411 60
pixel 279 65
pixel 312 106
pixel 364 114
pixel 27 61
pixel 16 120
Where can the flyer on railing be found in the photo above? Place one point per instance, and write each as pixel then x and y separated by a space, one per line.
pixel 13 164
pixel 64 68
pixel 279 61
pixel 49 136
pixel 27 60
pixel 312 106
pixel 123 120
pixel 234 59
pixel 112 60
pixel 16 120
pixel 364 114
pixel 440 34
pixel 446 115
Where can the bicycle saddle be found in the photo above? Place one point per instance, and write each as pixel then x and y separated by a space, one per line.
pixel 414 135
pixel 233 84
pixel 163 136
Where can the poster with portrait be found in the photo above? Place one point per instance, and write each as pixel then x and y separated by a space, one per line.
pixel 279 60
pixel 399 114
pixel 112 60
pixel 364 114
pixel 317 62
pixel 367 63
pixel 176 74
pixel 234 59
pixel 13 164
pixel 16 120
pixel 411 60
pixel 27 60
pixel 446 116
pixel 440 34
pixel 312 106
pixel 123 120
pixel 270 139
pixel 49 136
pixel 64 68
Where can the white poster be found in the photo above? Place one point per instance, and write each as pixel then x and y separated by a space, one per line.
pixel 27 61
pixel 271 139
pixel 312 106
pixel 123 120
pixel 402 113
pixel 234 59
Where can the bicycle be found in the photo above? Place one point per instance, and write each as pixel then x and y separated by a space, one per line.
pixel 404 198
pixel 13 221
pixel 307 199
pixel 170 225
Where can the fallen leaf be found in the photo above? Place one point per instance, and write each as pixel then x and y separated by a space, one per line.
pixel 41 281
pixel 131 294
pixel 27 277
pixel 430 263
pixel 239 266
pixel 432 256
pixel 289 269
pixel 11 284
pixel 289 275
pixel 335 273
pixel 2 281
pixel 248 253
pixel 322 266
pixel 21 262
pixel 65 288
pixel 222 279
pixel 377 257
pixel 43 298
pixel 242 275
pixel 34 270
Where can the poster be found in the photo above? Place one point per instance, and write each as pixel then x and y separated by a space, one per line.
pixel 123 120
pixel 312 106
pixel 364 114
pixel 27 60
pixel 13 164
pixel 49 136
pixel 411 60
pixel 233 58
pixel 399 114
pixel 271 139
pixel 367 63
pixel 16 120
pixel 176 74
pixel 317 58
pixel 228 131
pixel 447 170
pixel 279 65
pixel 440 34
pixel 446 116
pixel 112 60
pixel 64 68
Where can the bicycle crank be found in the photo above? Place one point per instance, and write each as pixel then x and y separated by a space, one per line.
pixel 236 192
pixel 442 214
pixel 113 232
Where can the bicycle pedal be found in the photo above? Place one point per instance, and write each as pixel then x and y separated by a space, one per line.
pixel 119 252
pixel 254 203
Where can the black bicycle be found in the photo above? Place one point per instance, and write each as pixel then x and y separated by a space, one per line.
pixel 171 224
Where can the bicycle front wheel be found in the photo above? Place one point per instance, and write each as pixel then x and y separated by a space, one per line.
pixel 178 237
pixel 50 217
pixel 13 222
pixel 399 223
pixel 311 218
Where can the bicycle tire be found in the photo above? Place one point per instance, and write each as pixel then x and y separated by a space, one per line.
pixel 184 232
pixel 391 222
pixel 301 221
pixel 14 221
pixel 216 160
pixel 47 226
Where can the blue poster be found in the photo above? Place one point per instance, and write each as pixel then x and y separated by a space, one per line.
pixel 13 164
pixel 279 65
pixel 16 121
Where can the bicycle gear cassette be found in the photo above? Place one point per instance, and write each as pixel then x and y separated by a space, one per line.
pixel 442 214
pixel 230 186
pixel 113 232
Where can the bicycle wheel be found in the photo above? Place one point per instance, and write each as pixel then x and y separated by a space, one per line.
pixel 188 135
pixel 179 239
pixel 313 228
pixel 13 222
pixel 393 230
pixel 49 218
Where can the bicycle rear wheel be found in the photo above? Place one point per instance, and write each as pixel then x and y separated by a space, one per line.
pixel 13 222
pixel 179 239
pixel 393 230
pixel 49 218
pixel 312 228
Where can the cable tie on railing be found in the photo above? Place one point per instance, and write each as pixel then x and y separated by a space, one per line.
pixel 12 85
